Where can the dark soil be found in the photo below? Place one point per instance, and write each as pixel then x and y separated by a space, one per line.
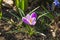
pixel 5 25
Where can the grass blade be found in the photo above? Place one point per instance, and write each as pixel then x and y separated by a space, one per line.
pixel 34 9
pixel 42 15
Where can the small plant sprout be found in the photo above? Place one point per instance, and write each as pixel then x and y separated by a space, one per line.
pixel 30 19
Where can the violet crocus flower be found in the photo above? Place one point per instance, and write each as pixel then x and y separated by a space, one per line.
pixel 30 19
pixel 56 3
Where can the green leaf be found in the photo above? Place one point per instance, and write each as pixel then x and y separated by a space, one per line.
pixel 34 10
pixel 17 3
pixel 14 14
pixel 21 12
pixel 44 8
pixel 0 15
pixel 14 31
pixel 30 30
pixel 22 4
pixel 0 9
pixel 50 16
pixel 42 15
pixel 0 1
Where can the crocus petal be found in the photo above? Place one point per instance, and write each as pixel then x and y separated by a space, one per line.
pixel 30 19
pixel 33 15
pixel 25 20
pixel 28 16
pixel 33 21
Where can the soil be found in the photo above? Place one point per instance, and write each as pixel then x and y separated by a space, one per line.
pixel 6 26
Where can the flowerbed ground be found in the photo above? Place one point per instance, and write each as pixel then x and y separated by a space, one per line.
pixel 6 26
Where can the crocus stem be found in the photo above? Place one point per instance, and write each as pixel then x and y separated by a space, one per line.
pixel 30 30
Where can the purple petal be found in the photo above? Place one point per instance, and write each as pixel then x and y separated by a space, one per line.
pixel 28 16
pixel 33 21
pixel 25 20
pixel 33 15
